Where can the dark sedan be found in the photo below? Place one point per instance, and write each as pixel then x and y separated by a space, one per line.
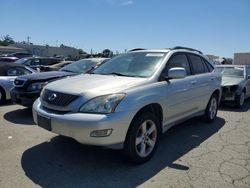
pixel 28 88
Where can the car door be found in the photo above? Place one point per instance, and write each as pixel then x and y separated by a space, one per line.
pixel 178 93
pixel 248 81
pixel 202 81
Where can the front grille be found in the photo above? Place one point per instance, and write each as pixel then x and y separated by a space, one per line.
pixel 57 98
pixel 19 82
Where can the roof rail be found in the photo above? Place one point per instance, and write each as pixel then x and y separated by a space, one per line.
pixel 185 48
pixel 136 49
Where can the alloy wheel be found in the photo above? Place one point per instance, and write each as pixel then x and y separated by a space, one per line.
pixel 146 138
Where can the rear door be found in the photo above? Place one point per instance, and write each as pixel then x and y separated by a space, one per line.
pixel 202 81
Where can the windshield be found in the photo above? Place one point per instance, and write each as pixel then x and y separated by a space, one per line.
pixel 138 64
pixel 81 66
pixel 21 61
pixel 231 71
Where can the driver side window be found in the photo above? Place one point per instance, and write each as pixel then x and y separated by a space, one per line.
pixel 179 60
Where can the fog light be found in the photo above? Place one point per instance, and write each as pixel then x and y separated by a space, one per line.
pixel 101 133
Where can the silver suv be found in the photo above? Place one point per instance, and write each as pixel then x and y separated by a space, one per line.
pixel 129 101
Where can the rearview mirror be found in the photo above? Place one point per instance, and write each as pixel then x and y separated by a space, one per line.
pixel 177 73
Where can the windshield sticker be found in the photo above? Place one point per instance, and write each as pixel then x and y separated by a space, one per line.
pixel 155 55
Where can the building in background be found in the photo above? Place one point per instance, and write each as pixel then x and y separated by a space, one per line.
pixel 49 51
pixel 11 49
pixel 242 58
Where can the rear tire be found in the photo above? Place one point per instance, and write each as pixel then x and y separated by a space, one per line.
pixel 142 138
pixel 2 96
pixel 212 108
pixel 240 99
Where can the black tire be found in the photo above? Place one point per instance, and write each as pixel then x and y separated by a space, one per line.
pixel 2 96
pixel 211 112
pixel 130 147
pixel 239 100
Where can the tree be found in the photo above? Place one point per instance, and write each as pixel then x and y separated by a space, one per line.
pixel 6 40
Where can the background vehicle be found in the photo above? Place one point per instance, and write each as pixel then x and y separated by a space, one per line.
pixel 8 59
pixel 131 99
pixel 28 88
pixel 235 83
pixel 19 55
pixel 39 63
pixel 57 66
pixel 8 72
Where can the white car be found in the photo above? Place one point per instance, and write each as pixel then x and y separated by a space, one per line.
pixel 8 72
pixel 130 100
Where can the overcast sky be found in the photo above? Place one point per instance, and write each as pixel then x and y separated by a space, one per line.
pixel 219 27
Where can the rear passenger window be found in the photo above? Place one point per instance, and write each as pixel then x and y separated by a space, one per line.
pixel 179 60
pixel 197 64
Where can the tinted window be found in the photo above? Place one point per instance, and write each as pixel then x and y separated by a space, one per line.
pixel 197 64
pixel 248 70
pixel 178 61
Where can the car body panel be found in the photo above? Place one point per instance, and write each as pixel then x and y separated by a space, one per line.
pixel 178 98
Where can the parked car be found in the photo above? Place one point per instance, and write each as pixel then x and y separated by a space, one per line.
pixel 58 66
pixel 28 88
pixel 39 63
pixel 129 101
pixel 235 83
pixel 8 72
pixel 19 55
pixel 8 59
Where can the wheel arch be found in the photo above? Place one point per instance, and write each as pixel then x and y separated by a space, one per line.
pixel 154 108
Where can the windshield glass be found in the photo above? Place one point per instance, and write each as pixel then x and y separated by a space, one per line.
pixel 231 71
pixel 21 61
pixel 138 64
pixel 81 66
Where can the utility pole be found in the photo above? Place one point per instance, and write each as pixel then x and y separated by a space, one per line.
pixel 28 38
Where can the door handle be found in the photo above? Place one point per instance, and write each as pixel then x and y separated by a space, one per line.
pixel 193 82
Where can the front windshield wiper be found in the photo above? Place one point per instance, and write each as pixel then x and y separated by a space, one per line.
pixel 119 74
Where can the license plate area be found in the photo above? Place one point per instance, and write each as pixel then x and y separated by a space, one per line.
pixel 44 122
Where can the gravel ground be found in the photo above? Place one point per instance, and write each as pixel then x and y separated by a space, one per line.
pixel 192 154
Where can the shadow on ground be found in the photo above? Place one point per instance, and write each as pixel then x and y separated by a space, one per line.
pixel 232 108
pixel 20 116
pixel 63 162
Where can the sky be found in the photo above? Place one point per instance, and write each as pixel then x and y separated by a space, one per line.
pixel 218 27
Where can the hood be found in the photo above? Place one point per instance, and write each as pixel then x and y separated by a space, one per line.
pixel 46 75
pixel 229 81
pixel 92 85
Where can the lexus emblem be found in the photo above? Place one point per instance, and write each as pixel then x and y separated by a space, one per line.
pixel 52 97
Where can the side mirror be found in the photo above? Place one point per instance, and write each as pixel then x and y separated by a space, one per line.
pixel 177 73
pixel 248 76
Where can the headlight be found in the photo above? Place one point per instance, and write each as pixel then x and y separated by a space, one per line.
pixel 103 104
pixel 36 86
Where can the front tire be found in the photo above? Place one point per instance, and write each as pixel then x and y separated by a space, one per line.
pixel 2 96
pixel 142 138
pixel 240 99
pixel 212 108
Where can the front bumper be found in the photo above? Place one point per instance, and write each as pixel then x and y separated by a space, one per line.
pixel 24 98
pixel 80 125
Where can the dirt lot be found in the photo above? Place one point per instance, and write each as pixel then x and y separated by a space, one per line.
pixel 192 154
